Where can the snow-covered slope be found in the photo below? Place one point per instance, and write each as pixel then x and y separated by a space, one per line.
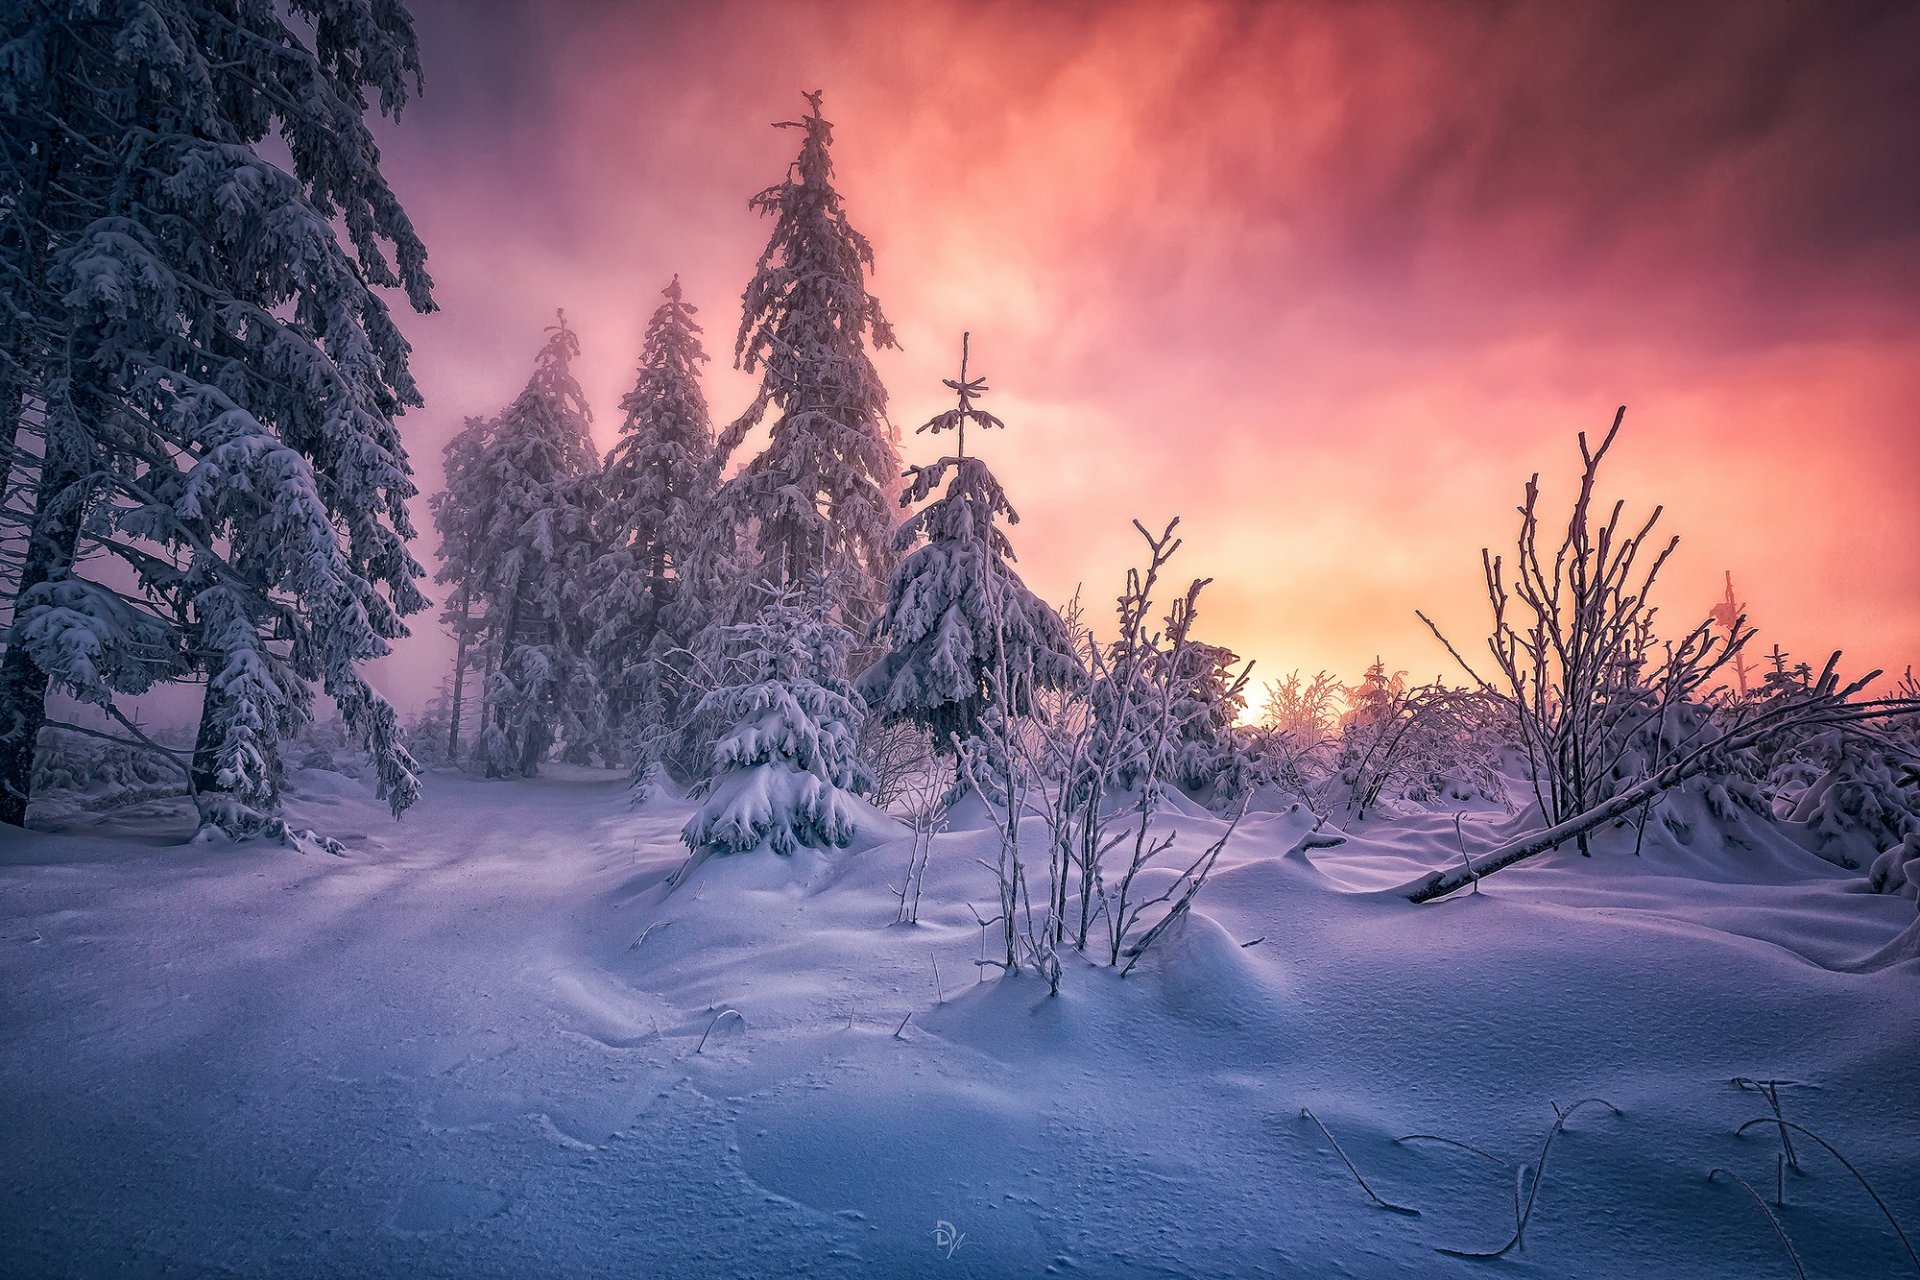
pixel 490 1041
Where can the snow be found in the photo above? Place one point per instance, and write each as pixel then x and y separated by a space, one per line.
pixel 473 1046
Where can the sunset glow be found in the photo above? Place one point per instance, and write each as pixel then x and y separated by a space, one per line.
pixel 1327 281
pixel 534 742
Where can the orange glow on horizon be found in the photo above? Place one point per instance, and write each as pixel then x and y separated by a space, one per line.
pixel 1327 280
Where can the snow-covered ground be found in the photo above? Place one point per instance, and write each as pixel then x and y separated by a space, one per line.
pixel 472 1046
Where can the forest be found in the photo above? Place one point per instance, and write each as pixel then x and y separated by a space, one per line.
pixel 774 882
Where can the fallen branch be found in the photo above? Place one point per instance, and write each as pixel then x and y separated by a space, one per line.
pixel 1828 706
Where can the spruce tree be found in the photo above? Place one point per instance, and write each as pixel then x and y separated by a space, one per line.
pixel 783 774
pixel 957 613
pixel 210 371
pixel 817 498
pixel 657 492
pixel 535 475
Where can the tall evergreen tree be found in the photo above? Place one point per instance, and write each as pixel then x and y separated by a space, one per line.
pixel 817 498
pixel 535 476
pixel 657 491
pixel 957 611
pixel 209 371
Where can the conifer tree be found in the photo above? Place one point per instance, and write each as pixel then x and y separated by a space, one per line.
pixel 657 492
pixel 816 500
pixel 210 371
pixel 784 773
pixel 956 609
pixel 535 474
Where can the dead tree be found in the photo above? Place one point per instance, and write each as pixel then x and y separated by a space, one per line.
pixel 1572 645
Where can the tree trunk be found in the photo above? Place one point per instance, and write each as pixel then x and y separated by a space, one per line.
pixel 23 238
pixel 12 406
pixel 206 751
pixel 54 533
pixel 206 742
pixel 459 676
pixel 497 658
pixel 53 527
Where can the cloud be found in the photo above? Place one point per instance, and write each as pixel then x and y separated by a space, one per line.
pixel 1329 279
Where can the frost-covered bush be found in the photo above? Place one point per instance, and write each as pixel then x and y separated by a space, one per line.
pixel 1897 870
pixel 899 757
pixel 326 745
pixel 1166 709
pixel 1572 647
pixel 1307 711
pixel 1105 848
pixel 1857 794
pixel 105 772
pixel 1296 765
pixel 1432 746
pixel 1428 747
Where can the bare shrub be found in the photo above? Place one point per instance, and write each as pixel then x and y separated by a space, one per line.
pixel 1574 659
pixel 1090 767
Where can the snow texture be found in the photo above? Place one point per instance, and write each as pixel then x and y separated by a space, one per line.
pixel 491 1041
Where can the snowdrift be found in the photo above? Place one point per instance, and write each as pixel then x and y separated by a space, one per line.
pixel 494 1040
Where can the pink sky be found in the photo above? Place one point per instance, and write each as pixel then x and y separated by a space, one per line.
pixel 1328 281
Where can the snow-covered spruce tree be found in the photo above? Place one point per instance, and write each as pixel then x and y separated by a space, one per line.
pixel 817 499
pixel 956 609
pixel 656 497
pixel 209 368
pixel 1858 793
pixel 1377 697
pixel 1781 680
pixel 784 773
pixel 1209 695
pixel 536 474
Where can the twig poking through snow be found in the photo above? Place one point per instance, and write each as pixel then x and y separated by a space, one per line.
pixel 1792 1254
pixel 1770 1090
pixel 647 932
pixel 1539 1171
pixel 899 1032
pixel 1848 1165
pixel 940 996
pixel 1256 942
pixel 981 964
pixel 1371 1195
pixel 716 1022
pixel 1454 1142
pixel 1460 838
